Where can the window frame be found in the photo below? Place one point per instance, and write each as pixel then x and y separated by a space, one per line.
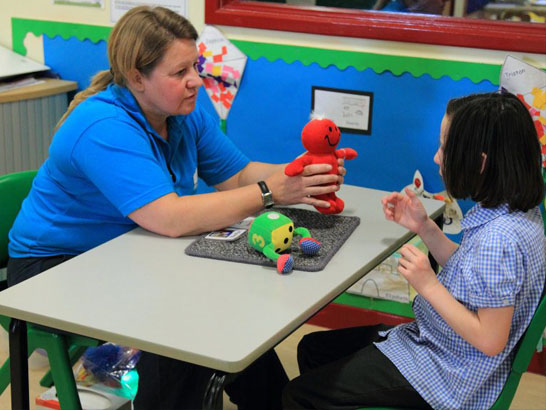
pixel 404 27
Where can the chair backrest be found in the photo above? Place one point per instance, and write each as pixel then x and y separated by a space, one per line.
pixel 525 350
pixel 14 189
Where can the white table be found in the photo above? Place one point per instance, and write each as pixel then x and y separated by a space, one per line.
pixel 142 290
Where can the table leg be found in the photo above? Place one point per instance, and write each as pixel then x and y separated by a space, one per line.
pixel 433 263
pixel 213 393
pixel 18 355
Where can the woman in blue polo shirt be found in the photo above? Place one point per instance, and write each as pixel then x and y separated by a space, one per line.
pixel 128 152
pixel 458 352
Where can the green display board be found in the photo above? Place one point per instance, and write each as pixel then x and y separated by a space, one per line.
pixel 396 64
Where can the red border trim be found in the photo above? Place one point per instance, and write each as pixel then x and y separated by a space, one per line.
pixel 338 316
pixel 449 31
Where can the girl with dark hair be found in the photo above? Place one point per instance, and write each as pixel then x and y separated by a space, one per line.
pixel 468 319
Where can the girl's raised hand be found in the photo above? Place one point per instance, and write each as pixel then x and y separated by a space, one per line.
pixel 406 210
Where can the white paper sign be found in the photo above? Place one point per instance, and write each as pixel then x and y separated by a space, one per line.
pixel 119 7
pixel 350 110
pixel 518 77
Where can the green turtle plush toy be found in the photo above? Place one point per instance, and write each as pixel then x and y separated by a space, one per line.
pixel 272 232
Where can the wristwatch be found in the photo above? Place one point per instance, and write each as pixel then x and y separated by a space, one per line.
pixel 267 196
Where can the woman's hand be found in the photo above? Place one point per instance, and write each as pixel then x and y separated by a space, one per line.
pixel 314 180
pixel 341 170
pixel 415 267
pixel 406 210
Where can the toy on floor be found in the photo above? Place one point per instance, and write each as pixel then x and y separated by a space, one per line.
pixel 112 366
pixel 272 232
pixel 320 138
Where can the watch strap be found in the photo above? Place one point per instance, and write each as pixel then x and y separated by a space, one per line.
pixel 267 196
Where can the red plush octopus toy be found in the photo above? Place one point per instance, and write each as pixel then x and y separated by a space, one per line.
pixel 320 137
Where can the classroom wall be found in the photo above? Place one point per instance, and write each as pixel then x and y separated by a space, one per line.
pixel 411 84
pixel 45 10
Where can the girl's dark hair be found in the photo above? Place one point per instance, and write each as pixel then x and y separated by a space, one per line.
pixel 499 126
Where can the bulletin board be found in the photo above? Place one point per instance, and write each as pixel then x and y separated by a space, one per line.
pixel 274 100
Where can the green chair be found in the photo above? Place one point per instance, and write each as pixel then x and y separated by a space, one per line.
pixel 63 350
pixel 524 351
pixel 13 189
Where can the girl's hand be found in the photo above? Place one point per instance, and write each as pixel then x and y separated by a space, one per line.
pixel 314 180
pixel 406 210
pixel 415 267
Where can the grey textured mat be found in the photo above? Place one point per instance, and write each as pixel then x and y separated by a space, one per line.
pixel 330 230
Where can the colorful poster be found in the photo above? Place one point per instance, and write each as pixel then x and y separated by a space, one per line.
pixel 529 84
pixel 221 65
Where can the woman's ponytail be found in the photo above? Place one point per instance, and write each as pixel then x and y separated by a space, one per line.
pixel 99 83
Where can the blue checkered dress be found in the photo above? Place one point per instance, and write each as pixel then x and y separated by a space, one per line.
pixel 501 262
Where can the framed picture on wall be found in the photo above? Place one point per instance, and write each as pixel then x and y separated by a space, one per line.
pixel 85 3
pixel 351 110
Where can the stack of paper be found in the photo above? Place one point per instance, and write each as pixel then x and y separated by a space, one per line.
pixel 16 70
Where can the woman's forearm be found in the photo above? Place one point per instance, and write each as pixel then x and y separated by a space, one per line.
pixel 258 171
pixel 175 216
pixel 252 173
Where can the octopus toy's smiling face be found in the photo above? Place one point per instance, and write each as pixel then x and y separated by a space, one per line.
pixel 282 237
pixel 320 136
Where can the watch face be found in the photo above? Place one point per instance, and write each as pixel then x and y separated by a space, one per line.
pixel 268 200
pixel 267 196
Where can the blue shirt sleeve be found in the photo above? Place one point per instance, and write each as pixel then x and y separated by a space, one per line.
pixel 118 158
pixel 217 156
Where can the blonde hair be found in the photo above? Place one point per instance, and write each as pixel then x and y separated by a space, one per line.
pixel 138 41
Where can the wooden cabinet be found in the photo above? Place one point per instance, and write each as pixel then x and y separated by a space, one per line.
pixel 27 118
